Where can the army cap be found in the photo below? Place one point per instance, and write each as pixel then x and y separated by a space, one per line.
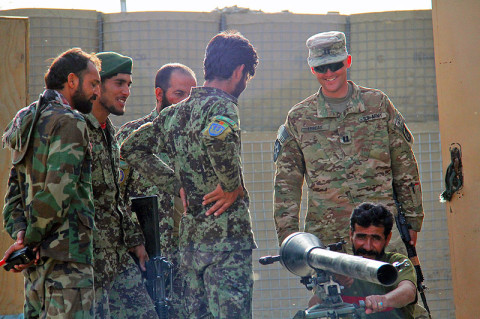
pixel 113 63
pixel 326 47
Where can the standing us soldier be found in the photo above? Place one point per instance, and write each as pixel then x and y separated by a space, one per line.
pixel 172 84
pixel 350 144
pixel 49 204
pixel 201 136
pixel 119 290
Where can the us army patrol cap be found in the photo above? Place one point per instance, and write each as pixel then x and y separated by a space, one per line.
pixel 113 63
pixel 326 47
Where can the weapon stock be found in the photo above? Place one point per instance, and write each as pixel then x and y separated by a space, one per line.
pixel 403 229
pixel 159 269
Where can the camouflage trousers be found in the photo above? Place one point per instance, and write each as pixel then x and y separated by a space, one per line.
pixel 57 289
pixel 217 284
pixel 124 298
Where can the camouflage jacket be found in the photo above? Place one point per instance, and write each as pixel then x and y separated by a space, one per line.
pixel 133 184
pixel 49 190
pixel 201 136
pixel 116 231
pixel 345 159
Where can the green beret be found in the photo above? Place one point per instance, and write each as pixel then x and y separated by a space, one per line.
pixel 113 63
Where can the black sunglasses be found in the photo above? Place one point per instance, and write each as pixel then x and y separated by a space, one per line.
pixel 332 66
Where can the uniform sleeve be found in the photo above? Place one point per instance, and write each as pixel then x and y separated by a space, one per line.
pixel 13 213
pixel 222 140
pixel 288 182
pixel 133 232
pixel 406 178
pixel 138 150
pixel 66 149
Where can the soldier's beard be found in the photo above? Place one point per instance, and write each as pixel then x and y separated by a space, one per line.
pixel 368 253
pixel 165 101
pixel 81 102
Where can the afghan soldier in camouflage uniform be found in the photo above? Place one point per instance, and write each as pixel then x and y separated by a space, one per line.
pixel 49 203
pixel 119 289
pixel 201 136
pixel 350 144
pixel 172 84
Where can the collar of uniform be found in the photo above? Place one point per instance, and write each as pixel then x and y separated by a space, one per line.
pixel 199 91
pixel 355 105
pixel 95 123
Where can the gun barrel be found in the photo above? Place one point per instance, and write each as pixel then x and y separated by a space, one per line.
pixel 303 253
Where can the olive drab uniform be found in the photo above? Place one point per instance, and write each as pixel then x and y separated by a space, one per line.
pixel 359 155
pixel 133 184
pixel 49 197
pixel 119 290
pixel 201 136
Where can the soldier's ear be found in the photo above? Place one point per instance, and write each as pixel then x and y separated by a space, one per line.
pixel 72 81
pixel 387 240
pixel 159 95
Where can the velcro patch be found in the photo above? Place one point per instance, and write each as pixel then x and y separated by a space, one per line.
pixel 219 127
pixel 371 117
pixel 282 137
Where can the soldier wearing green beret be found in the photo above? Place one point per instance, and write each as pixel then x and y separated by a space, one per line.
pixel 119 290
pixel 350 145
pixel 49 201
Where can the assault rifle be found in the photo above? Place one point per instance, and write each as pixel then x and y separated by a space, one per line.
pixel 403 228
pixel 159 269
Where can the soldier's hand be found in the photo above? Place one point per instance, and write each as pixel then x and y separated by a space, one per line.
pixel 17 245
pixel 223 200
pixel 413 237
pixel 344 280
pixel 375 303
pixel 141 254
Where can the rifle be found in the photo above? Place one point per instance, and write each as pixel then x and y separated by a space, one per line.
pixel 403 228
pixel 159 269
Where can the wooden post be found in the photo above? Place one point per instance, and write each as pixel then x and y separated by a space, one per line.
pixel 13 96
pixel 456 30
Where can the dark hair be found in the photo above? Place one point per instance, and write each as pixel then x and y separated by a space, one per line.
pixel 367 214
pixel 162 79
pixel 226 51
pixel 72 61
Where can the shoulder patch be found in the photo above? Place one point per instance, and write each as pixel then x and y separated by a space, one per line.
pixel 282 137
pixel 219 127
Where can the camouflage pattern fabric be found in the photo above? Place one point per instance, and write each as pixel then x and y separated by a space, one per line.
pixel 51 293
pixel 201 160
pixel 201 136
pixel 347 158
pixel 361 289
pixel 121 298
pixel 218 284
pixel 50 197
pixel 133 184
pixel 116 231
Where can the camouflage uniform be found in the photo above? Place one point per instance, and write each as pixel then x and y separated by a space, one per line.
pixel 359 155
pixel 201 136
pixel 361 289
pixel 119 291
pixel 133 184
pixel 50 197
